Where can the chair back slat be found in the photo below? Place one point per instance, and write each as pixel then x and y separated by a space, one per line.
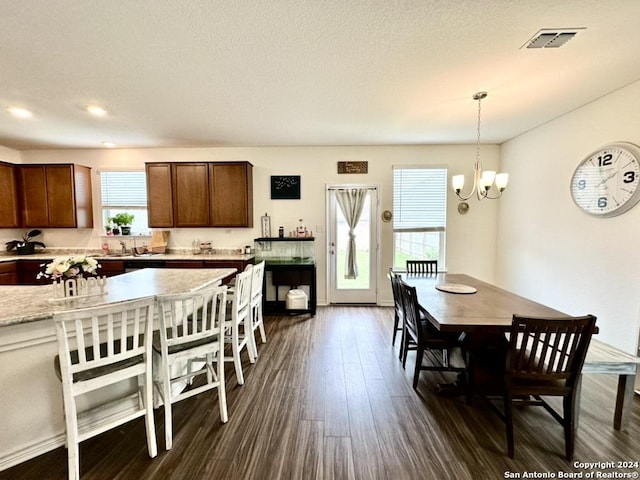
pixel 549 349
pixel 256 281
pixel 242 296
pixel 424 267
pixel 99 336
pixel 410 309
pixel 395 288
pixel 191 316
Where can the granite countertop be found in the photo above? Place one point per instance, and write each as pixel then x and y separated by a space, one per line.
pixel 29 303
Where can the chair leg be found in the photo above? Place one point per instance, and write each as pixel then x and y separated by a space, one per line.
pixel 508 414
pixel 395 328
pixel 236 354
pixel 73 453
pixel 252 348
pixel 222 392
pixel 166 398
pixel 149 421
pixel 405 347
pixel 73 448
pixel 416 371
pixel 263 335
pixel 570 412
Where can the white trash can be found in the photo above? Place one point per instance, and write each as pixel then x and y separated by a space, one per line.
pixel 296 300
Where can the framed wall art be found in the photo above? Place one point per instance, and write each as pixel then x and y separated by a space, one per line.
pixel 285 187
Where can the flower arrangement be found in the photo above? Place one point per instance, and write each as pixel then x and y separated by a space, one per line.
pixel 69 267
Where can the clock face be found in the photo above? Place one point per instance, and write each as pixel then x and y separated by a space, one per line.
pixel 606 183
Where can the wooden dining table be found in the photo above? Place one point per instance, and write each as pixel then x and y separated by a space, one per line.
pixel 487 310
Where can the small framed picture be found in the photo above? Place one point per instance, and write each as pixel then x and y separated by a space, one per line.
pixel 285 187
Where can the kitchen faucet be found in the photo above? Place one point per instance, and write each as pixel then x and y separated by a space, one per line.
pixel 124 246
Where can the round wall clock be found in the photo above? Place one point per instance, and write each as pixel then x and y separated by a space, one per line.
pixel 606 183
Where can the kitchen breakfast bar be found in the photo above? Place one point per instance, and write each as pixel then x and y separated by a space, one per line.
pixel 31 417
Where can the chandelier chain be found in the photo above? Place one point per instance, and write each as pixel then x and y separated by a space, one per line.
pixel 478 136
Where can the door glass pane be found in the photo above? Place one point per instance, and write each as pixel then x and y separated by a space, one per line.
pixel 363 247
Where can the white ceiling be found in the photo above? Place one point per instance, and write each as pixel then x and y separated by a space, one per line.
pixel 177 73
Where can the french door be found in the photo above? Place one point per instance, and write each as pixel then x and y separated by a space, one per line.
pixel 352 281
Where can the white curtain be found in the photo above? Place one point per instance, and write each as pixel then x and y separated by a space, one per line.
pixel 351 203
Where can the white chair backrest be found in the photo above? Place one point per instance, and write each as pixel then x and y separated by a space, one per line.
pixel 186 317
pixel 242 294
pixel 256 280
pixel 103 335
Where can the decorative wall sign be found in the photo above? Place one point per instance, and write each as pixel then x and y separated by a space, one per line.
pixel 266 225
pixel 353 167
pixel 285 187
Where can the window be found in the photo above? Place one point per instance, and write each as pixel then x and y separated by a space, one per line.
pixel 419 214
pixel 125 191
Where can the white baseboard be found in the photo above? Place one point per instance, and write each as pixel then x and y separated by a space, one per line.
pixel 28 451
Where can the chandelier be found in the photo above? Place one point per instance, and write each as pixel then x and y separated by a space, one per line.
pixel 482 181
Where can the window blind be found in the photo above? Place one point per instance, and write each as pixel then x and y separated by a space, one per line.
pixel 123 189
pixel 419 199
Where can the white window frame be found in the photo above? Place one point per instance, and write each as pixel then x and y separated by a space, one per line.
pixel 138 207
pixel 407 217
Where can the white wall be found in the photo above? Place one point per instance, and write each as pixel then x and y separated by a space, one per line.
pixel 552 252
pixel 470 239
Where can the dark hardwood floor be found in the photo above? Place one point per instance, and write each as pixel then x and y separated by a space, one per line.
pixel 328 399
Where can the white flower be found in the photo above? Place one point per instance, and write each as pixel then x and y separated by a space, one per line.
pixel 69 267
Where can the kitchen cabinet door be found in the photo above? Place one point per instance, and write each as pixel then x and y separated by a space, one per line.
pixel 55 196
pixel 159 195
pixel 9 211
pixel 32 188
pixel 190 194
pixel 28 272
pixel 8 273
pixel 60 196
pixel 231 187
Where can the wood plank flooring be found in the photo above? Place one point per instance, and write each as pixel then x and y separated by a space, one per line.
pixel 328 399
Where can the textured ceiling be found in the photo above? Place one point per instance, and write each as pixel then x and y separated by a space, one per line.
pixel 301 72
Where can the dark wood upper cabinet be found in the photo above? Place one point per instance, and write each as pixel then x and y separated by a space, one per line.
pixel 231 187
pixel 191 195
pixel 9 208
pixel 55 196
pixel 159 194
pixel 200 194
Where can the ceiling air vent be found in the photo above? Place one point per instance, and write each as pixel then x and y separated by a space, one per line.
pixel 552 38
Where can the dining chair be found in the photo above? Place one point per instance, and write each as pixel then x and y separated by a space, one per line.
pixel 419 330
pixel 237 325
pixel 397 307
pixel 429 267
pixel 257 321
pixel 545 359
pixel 190 344
pixel 99 347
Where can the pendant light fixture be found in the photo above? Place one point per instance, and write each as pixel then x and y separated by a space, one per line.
pixel 482 181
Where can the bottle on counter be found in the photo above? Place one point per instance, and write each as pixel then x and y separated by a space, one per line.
pixel 247 249
pixel 281 232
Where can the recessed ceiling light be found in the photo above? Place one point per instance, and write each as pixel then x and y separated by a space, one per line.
pixel 96 110
pixel 108 144
pixel 20 112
